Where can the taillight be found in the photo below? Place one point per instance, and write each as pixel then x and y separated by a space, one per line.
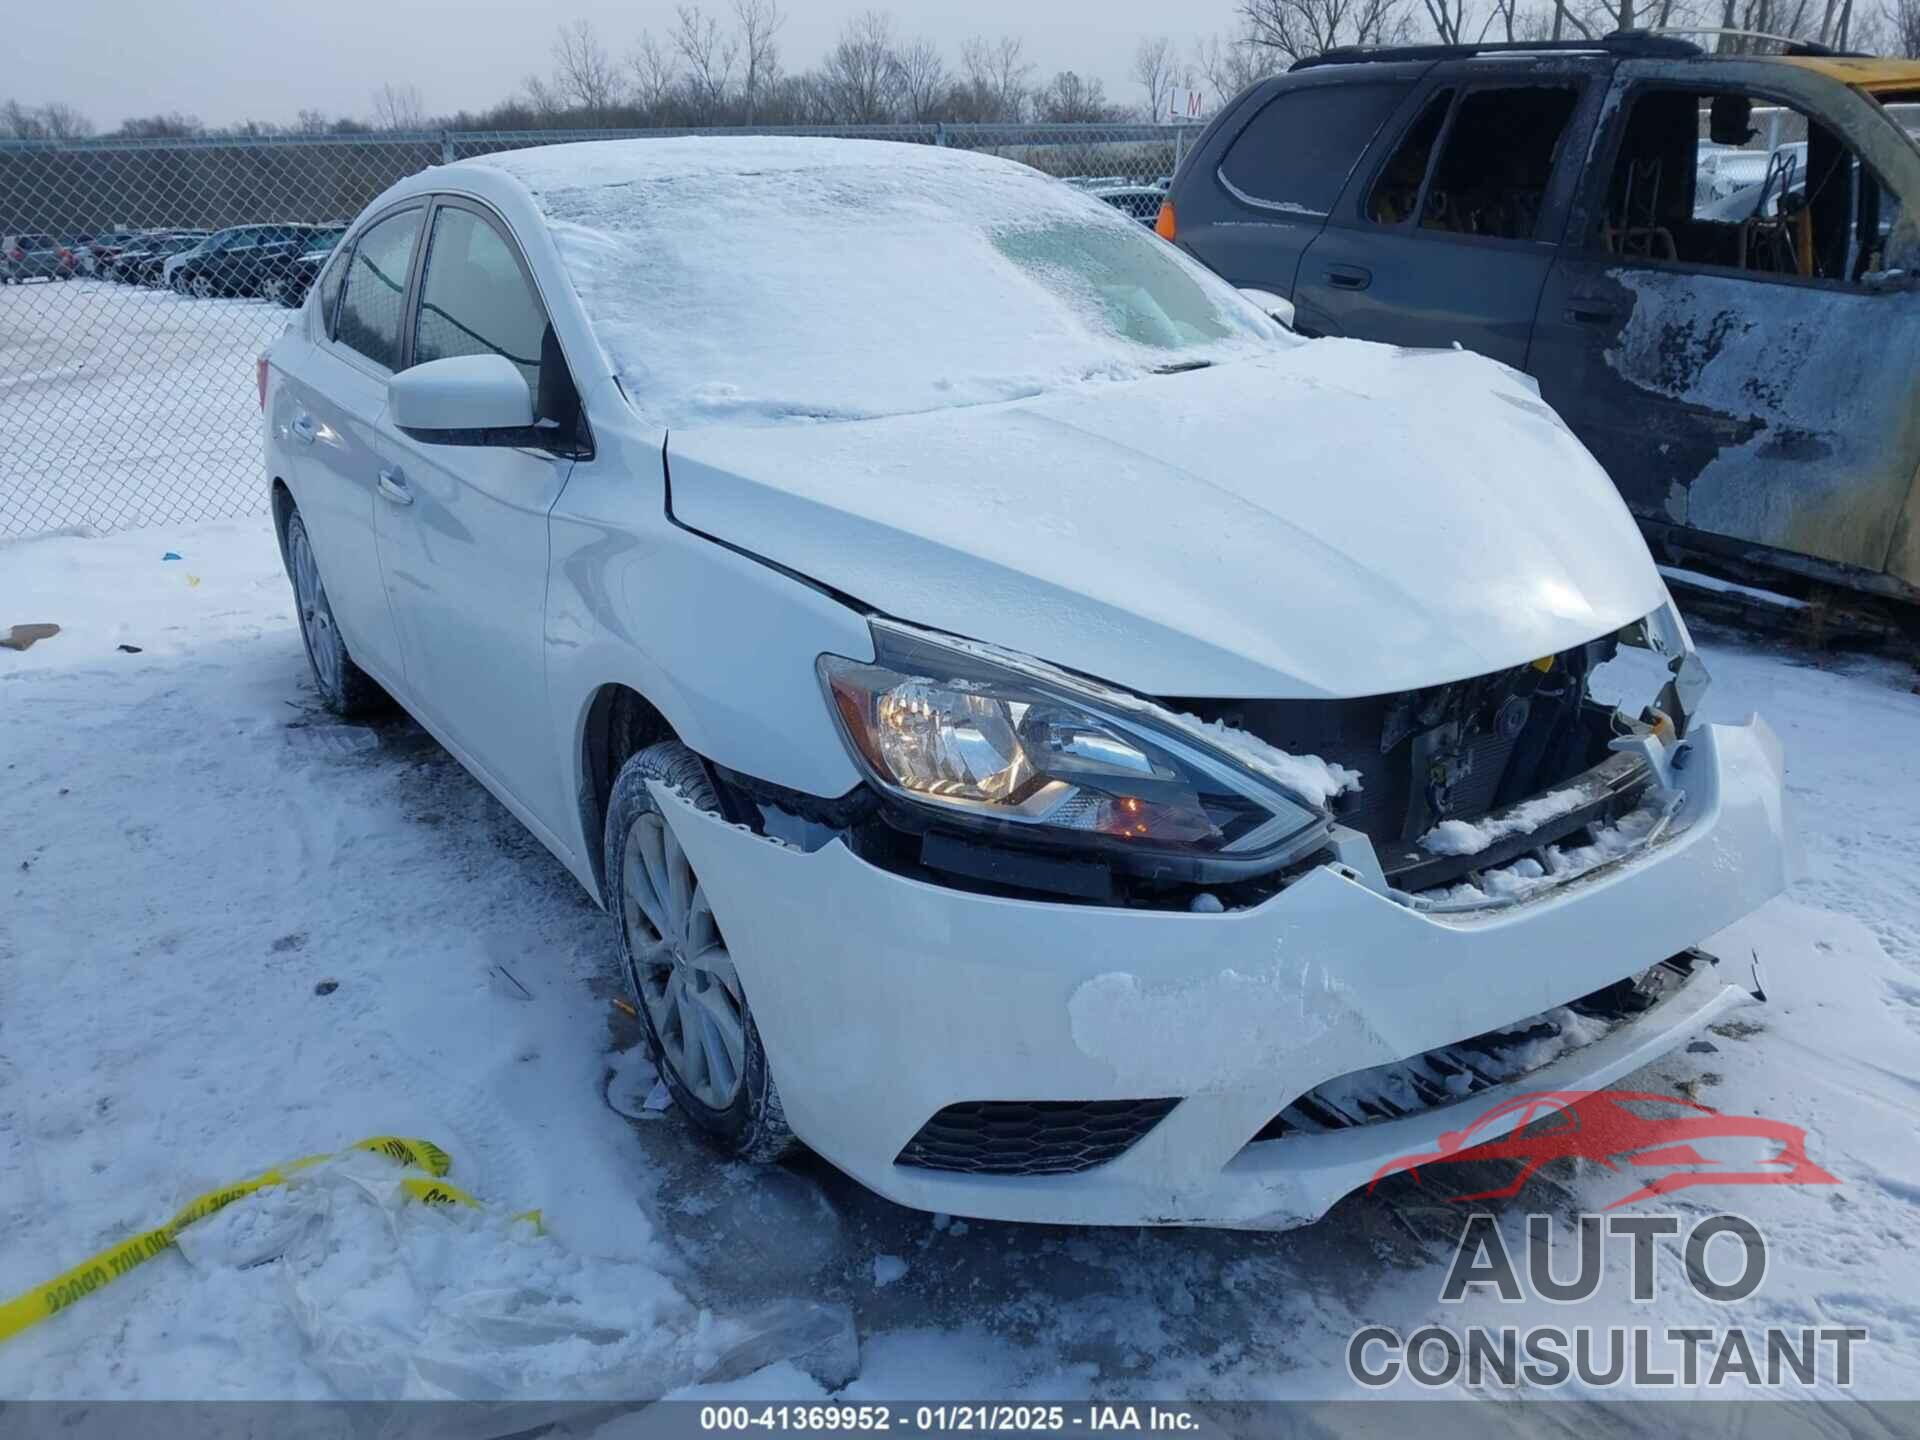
pixel 260 373
pixel 1163 225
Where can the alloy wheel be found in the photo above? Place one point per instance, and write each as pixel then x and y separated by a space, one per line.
pixel 316 616
pixel 682 969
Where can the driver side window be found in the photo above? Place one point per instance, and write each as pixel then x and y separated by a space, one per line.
pixel 1718 178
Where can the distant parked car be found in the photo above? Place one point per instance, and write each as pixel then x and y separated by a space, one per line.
pixel 236 261
pixel 142 261
pixel 290 286
pixel 33 257
pixel 92 252
pixel 1141 202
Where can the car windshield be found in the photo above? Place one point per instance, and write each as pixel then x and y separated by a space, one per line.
pixel 765 281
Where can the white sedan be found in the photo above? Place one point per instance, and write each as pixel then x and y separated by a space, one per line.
pixel 1051 740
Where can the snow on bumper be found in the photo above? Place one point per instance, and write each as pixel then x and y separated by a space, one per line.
pixel 883 999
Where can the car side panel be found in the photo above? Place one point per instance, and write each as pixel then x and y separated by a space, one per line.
pixel 332 481
pixel 723 645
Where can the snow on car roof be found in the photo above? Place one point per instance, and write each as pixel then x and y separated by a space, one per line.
pixel 782 279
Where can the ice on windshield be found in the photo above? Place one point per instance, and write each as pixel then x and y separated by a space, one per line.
pixel 789 279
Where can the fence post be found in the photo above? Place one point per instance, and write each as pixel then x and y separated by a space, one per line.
pixel 446 147
pixel 1179 146
pixel 939 132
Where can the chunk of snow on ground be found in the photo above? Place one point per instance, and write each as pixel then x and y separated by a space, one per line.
pixel 1467 837
pixel 887 1269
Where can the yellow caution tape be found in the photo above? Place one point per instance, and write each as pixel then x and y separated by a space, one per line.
pixel 101 1270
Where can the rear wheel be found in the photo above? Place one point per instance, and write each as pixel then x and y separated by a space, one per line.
pixel 344 687
pixel 202 287
pixel 684 981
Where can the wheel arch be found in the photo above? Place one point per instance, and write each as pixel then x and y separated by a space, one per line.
pixel 616 723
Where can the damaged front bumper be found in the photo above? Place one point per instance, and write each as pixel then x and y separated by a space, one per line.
pixel 1165 1043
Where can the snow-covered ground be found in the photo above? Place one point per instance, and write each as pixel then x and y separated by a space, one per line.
pixel 233 932
pixel 123 406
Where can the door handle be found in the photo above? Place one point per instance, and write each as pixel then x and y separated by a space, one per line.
pixel 1591 312
pixel 1349 277
pixel 302 428
pixel 393 485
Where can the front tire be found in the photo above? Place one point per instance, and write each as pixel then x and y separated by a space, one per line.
pixel 683 979
pixel 345 688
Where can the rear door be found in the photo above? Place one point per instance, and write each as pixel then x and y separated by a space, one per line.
pixel 1447 233
pixel 1262 193
pixel 463 528
pixel 339 394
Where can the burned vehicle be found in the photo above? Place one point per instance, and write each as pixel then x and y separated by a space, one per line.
pixel 1746 370
pixel 1037 734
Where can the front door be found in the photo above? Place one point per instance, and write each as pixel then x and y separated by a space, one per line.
pixel 463 528
pixel 1741 364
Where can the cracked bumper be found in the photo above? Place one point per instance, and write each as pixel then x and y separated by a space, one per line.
pixel 882 1000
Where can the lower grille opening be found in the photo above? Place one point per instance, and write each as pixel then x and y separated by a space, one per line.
pixel 1031 1137
pixel 1466 1068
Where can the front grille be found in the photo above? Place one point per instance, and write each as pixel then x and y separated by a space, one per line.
pixel 1451 752
pixel 1031 1137
pixel 1468 1068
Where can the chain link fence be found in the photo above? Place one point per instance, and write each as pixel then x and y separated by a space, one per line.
pixel 139 279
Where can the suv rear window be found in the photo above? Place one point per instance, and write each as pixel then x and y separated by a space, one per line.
pixel 1297 152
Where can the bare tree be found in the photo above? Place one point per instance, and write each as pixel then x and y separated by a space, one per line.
pixel 923 79
pixel 1073 99
pixel 1451 19
pixel 862 70
pixel 1228 64
pixel 1154 64
pixel 55 121
pixel 1297 28
pixel 172 126
pixel 760 22
pixel 1903 24
pixel 655 74
pixel 585 76
pixel 995 81
pixel 399 107
pixel 709 57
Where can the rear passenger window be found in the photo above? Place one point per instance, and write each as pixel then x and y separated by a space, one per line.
pixel 376 288
pixel 1397 191
pixel 474 300
pixel 1296 154
pixel 329 287
pixel 1493 171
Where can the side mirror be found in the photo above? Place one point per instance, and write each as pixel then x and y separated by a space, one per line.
pixel 1279 308
pixel 465 400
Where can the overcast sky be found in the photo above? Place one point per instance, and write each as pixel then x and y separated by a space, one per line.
pixel 229 60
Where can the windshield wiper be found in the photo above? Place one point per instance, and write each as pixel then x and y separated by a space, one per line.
pixel 1180 367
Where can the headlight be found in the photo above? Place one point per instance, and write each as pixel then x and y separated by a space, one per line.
pixel 996 742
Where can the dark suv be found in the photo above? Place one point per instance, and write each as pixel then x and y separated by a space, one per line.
pixel 241 260
pixel 1750 379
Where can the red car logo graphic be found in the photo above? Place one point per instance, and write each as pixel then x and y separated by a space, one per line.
pixel 1605 1127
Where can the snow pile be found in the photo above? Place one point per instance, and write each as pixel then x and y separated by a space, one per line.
pixel 779 278
pixel 1463 837
pixel 397 1300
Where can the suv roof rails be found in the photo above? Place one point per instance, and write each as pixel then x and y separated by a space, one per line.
pixel 1788 45
pixel 1623 44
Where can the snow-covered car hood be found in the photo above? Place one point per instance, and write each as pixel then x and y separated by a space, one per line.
pixel 1335 519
